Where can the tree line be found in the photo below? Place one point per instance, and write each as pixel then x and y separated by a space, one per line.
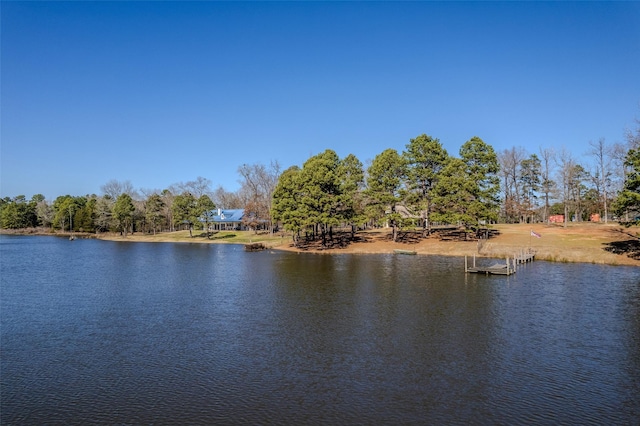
pixel 418 187
pixel 122 208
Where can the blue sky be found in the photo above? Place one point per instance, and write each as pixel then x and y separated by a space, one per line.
pixel 164 92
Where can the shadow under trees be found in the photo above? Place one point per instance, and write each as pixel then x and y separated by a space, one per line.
pixel 630 248
pixel 343 238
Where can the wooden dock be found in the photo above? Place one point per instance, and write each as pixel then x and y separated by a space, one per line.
pixel 525 255
pixel 507 268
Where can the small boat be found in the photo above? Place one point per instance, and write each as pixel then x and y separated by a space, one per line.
pixel 400 251
pixel 71 238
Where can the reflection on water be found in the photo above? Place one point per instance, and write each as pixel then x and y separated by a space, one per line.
pixel 102 332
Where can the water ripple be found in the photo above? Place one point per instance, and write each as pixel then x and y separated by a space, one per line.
pixel 107 333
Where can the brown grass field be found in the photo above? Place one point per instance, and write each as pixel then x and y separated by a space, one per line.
pixel 586 242
pixel 577 242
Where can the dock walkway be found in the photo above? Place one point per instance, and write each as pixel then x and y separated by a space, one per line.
pixel 525 255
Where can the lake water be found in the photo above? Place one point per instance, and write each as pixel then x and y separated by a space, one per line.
pixel 96 332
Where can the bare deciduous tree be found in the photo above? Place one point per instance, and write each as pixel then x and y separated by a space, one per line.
pixel 618 154
pixel 601 153
pixel 510 160
pixel 225 199
pixel 258 183
pixel 633 136
pixel 199 187
pixel 566 166
pixel 168 195
pixel 44 212
pixel 114 188
pixel 547 185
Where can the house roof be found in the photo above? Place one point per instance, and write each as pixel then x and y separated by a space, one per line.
pixel 228 216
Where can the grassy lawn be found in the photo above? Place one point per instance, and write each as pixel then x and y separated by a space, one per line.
pixel 231 237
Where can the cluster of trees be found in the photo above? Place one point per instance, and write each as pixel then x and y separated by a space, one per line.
pixel 92 213
pixel 123 209
pixel 424 185
pixel 416 187
pixel 555 183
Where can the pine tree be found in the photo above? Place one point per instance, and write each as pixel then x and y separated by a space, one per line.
pixel 123 212
pixel 184 210
pixel 286 202
pixel 629 198
pixel 154 211
pixel 425 159
pixel 385 185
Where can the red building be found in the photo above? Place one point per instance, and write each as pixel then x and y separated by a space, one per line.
pixel 556 218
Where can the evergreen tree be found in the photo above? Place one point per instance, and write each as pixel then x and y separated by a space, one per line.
pixel 468 188
pixel 10 215
pixel 321 195
pixel 351 209
pixel 205 207
pixel 482 167
pixel 286 202
pixel 425 159
pixel 123 211
pixel 530 171
pixel 184 209
pixel 454 195
pixel 84 218
pixel 321 192
pixel 65 208
pixel 154 211
pixel 385 185
pixel 18 213
pixel 629 198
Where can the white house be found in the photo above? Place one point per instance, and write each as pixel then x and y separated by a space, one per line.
pixel 227 220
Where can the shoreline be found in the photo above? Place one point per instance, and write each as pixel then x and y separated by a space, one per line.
pixel 594 243
pixel 492 249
